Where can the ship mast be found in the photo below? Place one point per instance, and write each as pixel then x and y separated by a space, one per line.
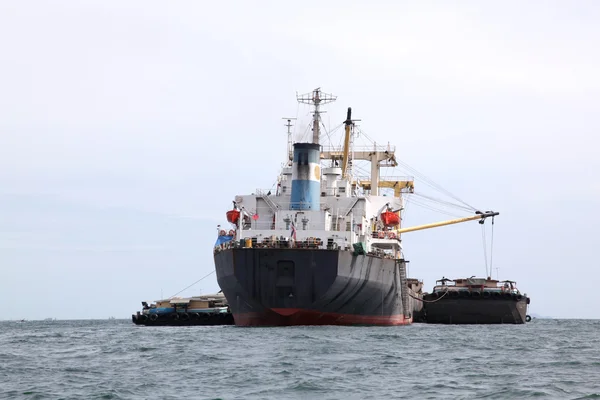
pixel 348 123
pixel 316 98
pixel 290 144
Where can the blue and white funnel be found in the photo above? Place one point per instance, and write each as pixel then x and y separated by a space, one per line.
pixel 306 177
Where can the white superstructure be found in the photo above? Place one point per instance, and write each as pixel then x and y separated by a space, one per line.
pixel 349 209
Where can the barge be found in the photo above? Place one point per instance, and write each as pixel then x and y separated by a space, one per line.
pixel 475 301
pixel 201 310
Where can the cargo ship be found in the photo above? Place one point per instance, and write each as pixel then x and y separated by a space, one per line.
pixel 475 301
pixel 325 247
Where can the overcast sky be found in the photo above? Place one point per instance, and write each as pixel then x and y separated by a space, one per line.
pixel 126 128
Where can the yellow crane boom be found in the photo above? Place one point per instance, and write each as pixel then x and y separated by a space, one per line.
pixel 480 215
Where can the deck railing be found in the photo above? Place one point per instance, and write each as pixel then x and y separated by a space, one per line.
pixel 364 178
pixel 375 147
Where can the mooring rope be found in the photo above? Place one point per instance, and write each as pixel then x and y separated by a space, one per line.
pixel 429 301
pixel 205 276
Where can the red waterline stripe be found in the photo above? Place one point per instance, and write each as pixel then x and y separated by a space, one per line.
pixel 296 316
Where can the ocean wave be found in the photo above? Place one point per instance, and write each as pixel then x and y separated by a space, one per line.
pixel 108 360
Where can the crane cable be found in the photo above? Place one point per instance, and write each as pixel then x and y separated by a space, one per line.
pixel 492 248
pixel 423 177
pixel 485 249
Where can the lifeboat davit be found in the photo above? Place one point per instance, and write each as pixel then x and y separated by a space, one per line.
pixel 233 216
pixel 390 218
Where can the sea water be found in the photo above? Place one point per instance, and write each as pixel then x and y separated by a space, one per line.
pixel 114 359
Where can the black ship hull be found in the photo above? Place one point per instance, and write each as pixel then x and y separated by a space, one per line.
pixel 454 309
pixel 183 319
pixel 284 286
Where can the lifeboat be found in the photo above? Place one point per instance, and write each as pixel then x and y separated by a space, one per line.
pixel 233 216
pixel 390 218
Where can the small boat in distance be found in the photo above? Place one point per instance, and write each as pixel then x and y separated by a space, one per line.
pixel 475 301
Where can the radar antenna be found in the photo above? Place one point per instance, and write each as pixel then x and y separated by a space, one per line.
pixel 316 98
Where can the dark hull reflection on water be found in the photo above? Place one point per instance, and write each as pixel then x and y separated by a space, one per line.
pixel 118 360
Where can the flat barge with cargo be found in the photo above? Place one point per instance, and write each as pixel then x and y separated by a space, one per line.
pixel 189 311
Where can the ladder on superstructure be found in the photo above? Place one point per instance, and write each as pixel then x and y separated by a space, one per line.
pixel 274 207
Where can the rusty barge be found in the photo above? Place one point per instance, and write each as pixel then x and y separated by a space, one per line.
pixel 475 301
